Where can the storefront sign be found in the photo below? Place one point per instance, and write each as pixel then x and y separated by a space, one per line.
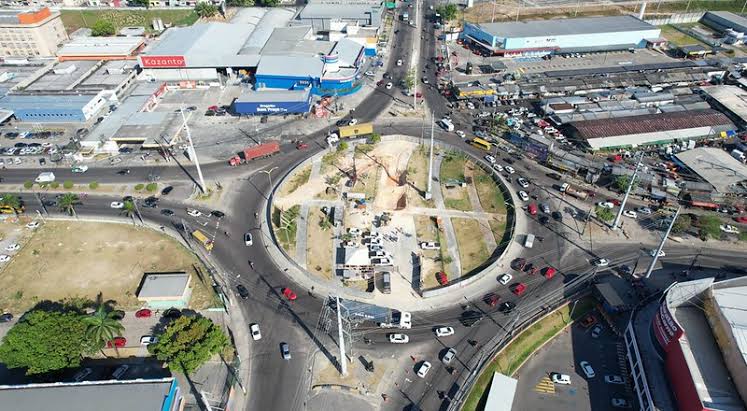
pixel 162 61
pixel 665 328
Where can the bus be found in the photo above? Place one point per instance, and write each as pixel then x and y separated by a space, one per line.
pixel 6 209
pixel 202 238
pixel 480 143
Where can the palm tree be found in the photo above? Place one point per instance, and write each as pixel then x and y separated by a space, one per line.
pixel 10 200
pixel 102 327
pixel 129 208
pixel 67 203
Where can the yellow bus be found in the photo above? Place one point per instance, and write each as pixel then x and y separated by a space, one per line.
pixel 356 130
pixel 6 209
pixel 202 238
pixel 480 143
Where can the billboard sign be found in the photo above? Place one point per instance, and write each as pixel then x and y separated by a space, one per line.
pixel 162 61
pixel 666 329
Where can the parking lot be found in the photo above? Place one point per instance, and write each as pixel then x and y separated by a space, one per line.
pixel 606 356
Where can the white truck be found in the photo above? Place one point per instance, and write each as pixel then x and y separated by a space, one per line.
pixel 401 320
pixel 332 138
pixel 446 124
pixel 739 155
pixel 45 177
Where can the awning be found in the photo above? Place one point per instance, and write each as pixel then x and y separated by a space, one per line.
pixel 481 43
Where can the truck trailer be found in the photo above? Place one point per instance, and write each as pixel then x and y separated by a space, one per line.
pixel 574 191
pixel 357 130
pixel 254 152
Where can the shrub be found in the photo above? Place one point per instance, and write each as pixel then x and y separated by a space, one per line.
pixel 67 184
pixel 28 184
pixel 139 186
pixel 151 187
pixel 55 184
pixel 93 185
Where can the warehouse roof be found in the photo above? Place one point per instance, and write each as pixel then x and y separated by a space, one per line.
pixel 202 40
pixel 732 98
pixel 649 123
pixel 263 29
pixel 502 393
pixel 156 285
pixel 340 11
pixel 290 66
pixel 716 166
pixel 348 51
pixel 560 27
pixel 100 46
pixel 49 102
pixel 732 302
pixel 737 21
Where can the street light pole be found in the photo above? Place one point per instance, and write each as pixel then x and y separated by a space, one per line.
pixel 627 193
pixel 661 244
pixel 428 193
pixel 269 174
pixel 192 151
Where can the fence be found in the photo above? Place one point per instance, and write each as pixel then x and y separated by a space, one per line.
pixel 679 18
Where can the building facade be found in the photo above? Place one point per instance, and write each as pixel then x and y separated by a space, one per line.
pixel 31 34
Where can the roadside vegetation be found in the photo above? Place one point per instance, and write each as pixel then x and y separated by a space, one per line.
pixel 285 224
pixel 472 250
pixel 76 19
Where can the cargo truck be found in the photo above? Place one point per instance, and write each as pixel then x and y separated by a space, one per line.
pixel 357 130
pixel 254 152
pixel 573 191
pixel 203 239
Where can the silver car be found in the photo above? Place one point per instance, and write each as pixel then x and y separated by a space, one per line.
pixel 449 356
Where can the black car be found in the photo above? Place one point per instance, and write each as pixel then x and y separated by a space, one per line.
pixel 506 307
pixel 343 122
pixel 172 313
pixel 509 160
pixel 167 212
pixel 243 292
pixel 124 171
pixel 557 216
pixel 544 219
pixel 150 202
pixel 166 190
pixel 554 176
pixel 470 318
pixel 125 150
pixel 7 317
pixel 387 76
pixel 217 214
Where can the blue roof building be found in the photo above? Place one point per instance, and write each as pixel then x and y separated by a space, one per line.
pixel 67 108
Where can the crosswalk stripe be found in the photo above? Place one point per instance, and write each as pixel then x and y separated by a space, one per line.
pixel 545 385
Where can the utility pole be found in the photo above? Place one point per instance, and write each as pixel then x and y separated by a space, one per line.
pixel 428 193
pixel 627 193
pixel 341 338
pixel 192 151
pixel 661 244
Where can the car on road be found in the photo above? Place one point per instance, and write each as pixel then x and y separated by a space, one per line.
pixel 6 317
pixel 167 212
pixel 586 368
pixel 117 342
pixel 243 292
pixel 13 247
pixel 620 403
pixel 597 331
pixel 559 378
pixel 614 379
pixel 148 339
pixel 193 212
pixel 522 182
pixel 498 167
pixel 460 133
pixel 424 368
pixel 505 279
pixel 630 213
pixel 605 204
pixel 217 214
pixel 523 196
pixel 429 245
pixel 544 219
pixel 532 209
pixel 470 318
pixel 116 204
pixel 143 313
pixel 490 159
pixel 288 293
pixel 444 331
pixel 248 241
pixel 254 330
pixel 389 85
pixel 652 253
pixel 285 350
pixel 545 208
pixel 601 262
pixel 557 216
pixel 172 313
pixel 728 228
pixel 506 307
pixel 614 201
pixel 4 258
pixel 150 202
pixel 554 176
pixel 398 338
pixel 509 169
pixel 32 225
pixel 449 356
pixel 166 190
pixel 644 210
pixel 79 169
pixel 399 62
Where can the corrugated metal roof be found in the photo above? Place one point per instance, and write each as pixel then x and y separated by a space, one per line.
pixel 649 123
pixel 716 166
pixel 348 51
pixel 290 66
pixel 204 40
pixel 100 46
pixel 732 98
pixel 49 102
pixel 338 11
pixel 158 285
pixel 274 18
pixel 560 27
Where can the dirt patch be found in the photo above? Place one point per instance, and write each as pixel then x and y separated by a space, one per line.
pixel 451 177
pixel 417 177
pixel 427 230
pixel 472 250
pixel 491 197
pixel 295 181
pixel 79 260
pixel 319 243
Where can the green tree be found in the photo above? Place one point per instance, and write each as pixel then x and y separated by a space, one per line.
pixel 189 342
pixel 410 79
pixel 342 146
pixel 448 11
pixel 240 3
pixel 605 214
pixel 44 341
pixel 206 10
pixel 268 3
pixel 375 138
pixel 10 200
pixel 67 203
pixel 709 226
pixel 103 28
pixel 324 223
pixel 128 208
pixel 622 182
pixel 682 224
pixel 101 327
pixel 138 3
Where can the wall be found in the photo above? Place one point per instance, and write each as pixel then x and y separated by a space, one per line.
pixel 676 19
pixel 284 82
pixel 270 107
pixel 681 381
pixel 582 40
pixel 476 32
pixel 175 74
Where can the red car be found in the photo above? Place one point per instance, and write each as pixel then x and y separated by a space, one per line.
pixel 289 294
pixel 491 299
pixel 143 313
pixel 614 201
pixel 519 289
pixel 118 342
pixel 532 208
pixel 588 321
pixel 442 278
pixel 301 145
pixel 549 272
pixel 742 219
pixel 213 108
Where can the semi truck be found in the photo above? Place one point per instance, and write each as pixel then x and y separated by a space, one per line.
pixel 203 239
pixel 254 152
pixel 573 191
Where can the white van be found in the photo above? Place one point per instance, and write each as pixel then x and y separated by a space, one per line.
pixel 45 177
pixel 529 241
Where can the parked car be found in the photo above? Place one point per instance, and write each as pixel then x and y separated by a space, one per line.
pixel 254 330
pixel 285 351
pixel 148 339
pixel 166 190
pixel 505 279
pixel 32 225
pixel 523 196
pixel 13 247
pixel 652 253
pixel 509 169
pixel 630 213
pixel 519 289
pixel 143 313
pixel 507 306
pixel 644 210
pixel 586 368
pixel 620 403
pixel 444 331
pixel 6 317
pixel 248 241
pixel 449 356
pixel 243 292
pixel 597 331
pixel 490 159
pixel 424 368
pixel 614 379
pixel 559 378
pixel 172 313
pixel 398 338
pixel 289 294
pixel 728 228
pixel 522 183
pixel 605 204
pixel 118 342
pixel 429 245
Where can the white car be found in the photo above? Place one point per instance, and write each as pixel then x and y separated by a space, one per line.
pixel 248 241
pixel 13 247
pixel 559 378
pixel 254 329
pixel 614 379
pixel 652 253
pixel 399 62
pixel 429 245
pixel 424 368
pixel 369 73
pixel 352 122
pixel 586 368
pixel 490 159
pixel 505 279
pixel 644 210
pixel 405 320
pixel 355 231
pixel 523 183
pixel 523 196
pixel 4 258
pixel 460 133
pixel 597 331
pixel 498 167
pixel 509 169
pixel 148 339
pixel 194 213
pixel 449 356
pixel 605 204
pixel 79 169
pixel 602 262
pixel 444 331
pixel 630 213
pixel 116 204
pixel 32 225
pixel 389 86
pixel 728 228
pixel 398 339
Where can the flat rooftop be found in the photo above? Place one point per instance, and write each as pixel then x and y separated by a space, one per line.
pixel 732 98
pixel 100 46
pixel 63 76
pixel 157 285
pixel 725 173
pixel 732 302
pixel 649 123
pixel 565 27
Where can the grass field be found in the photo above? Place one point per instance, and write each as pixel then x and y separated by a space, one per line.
pixel 298 179
pixel 491 198
pixel 427 230
pixel 472 250
pixel 63 260
pixel 286 227
pixel 417 175
pixel 513 355
pixel 677 37
pixel 319 241
pixel 452 169
pixel 75 19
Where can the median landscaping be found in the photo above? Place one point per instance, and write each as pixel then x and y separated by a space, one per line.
pixel 513 355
